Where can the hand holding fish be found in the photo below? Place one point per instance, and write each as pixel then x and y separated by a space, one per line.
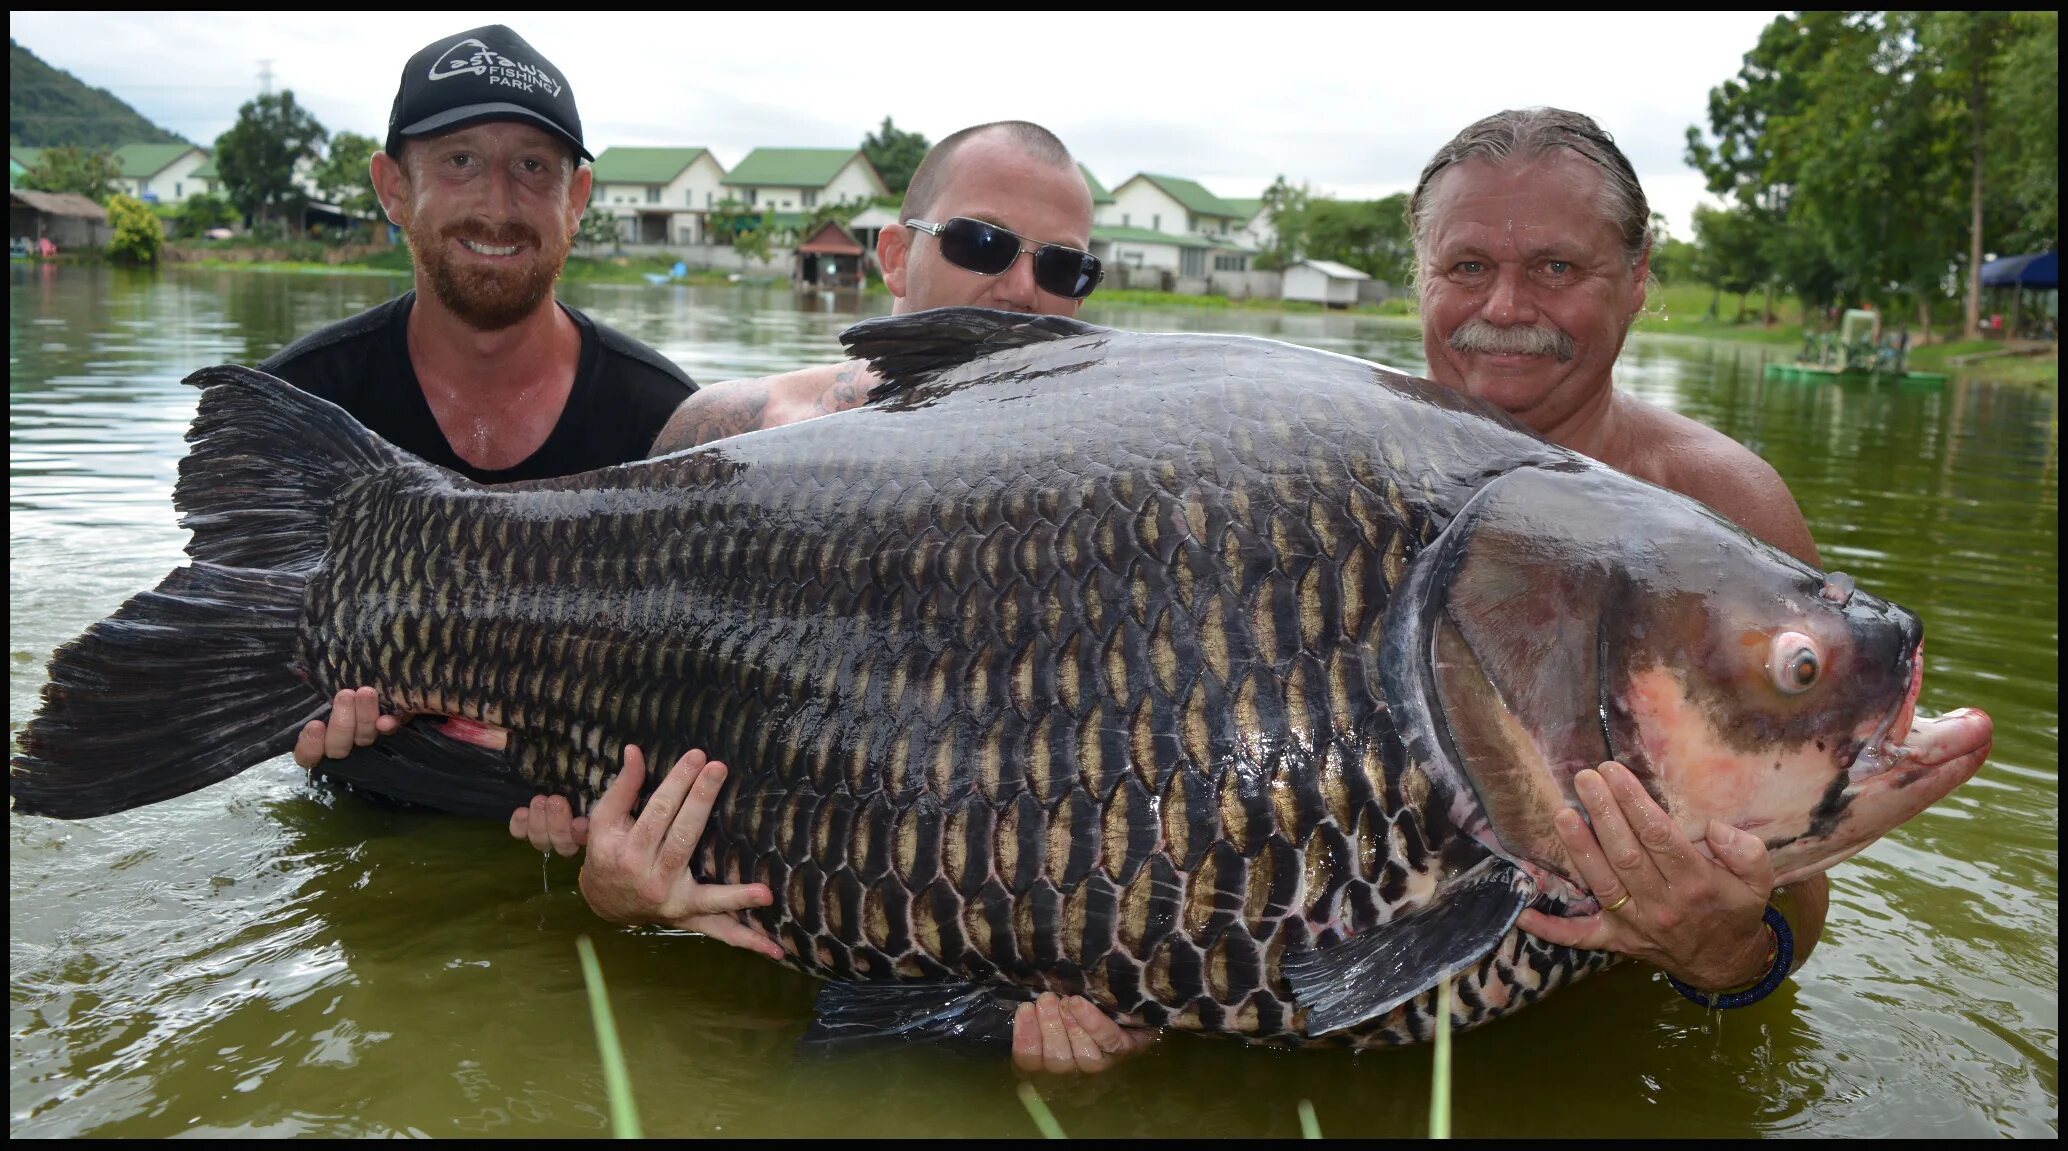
pixel 1700 921
pixel 355 721
pixel 1059 1036
pixel 642 865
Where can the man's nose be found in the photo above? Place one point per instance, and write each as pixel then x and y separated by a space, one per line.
pixel 1509 301
pixel 1015 287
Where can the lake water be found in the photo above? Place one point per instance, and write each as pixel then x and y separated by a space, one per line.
pixel 262 959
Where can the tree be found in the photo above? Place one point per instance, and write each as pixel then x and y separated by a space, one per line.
pixel 2025 136
pixel 204 212
pixel 895 154
pixel 1733 253
pixel 1288 206
pixel 89 172
pixel 344 178
pixel 599 227
pixel 257 156
pixel 1369 235
pixel 138 236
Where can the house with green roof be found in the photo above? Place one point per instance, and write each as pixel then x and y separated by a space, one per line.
pixel 1099 195
pixel 803 179
pixel 19 161
pixel 659 195
pixel 1204 231
pixel 160 173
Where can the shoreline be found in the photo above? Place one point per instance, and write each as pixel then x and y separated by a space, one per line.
pixel 1985 359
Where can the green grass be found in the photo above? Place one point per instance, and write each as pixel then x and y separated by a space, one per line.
pixel 1439 1082
pixel 624 1117
pixel 1044 1119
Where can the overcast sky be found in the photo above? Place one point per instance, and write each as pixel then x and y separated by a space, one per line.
pixel 1354 104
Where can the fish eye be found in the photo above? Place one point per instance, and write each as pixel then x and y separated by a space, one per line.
pixel 1795 663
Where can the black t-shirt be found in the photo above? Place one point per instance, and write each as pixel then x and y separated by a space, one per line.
pixel 623 393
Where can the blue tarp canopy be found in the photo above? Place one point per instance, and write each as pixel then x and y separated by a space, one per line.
pixel 2036 271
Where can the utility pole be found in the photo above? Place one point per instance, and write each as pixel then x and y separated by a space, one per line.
pixel 265 77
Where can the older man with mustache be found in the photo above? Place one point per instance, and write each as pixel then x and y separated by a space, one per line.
pixel 1533 246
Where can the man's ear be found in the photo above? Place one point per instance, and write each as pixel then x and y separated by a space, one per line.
pixel 391 184
pixel 893 249
pixel 578 195
pixel 1643 274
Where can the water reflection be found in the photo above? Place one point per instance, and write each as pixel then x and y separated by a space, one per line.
pixel 257 959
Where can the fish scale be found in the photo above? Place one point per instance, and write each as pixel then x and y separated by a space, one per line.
pixel 1035 792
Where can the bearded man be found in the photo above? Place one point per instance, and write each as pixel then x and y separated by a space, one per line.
pixel 479 368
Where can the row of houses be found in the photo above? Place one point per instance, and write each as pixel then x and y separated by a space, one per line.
pixel 669 196
pixel 677 196
pixel 153 173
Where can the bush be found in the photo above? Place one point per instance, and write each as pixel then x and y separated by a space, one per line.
pixel 204 212
pixel 138 235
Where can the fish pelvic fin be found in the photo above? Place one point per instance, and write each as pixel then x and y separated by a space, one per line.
pixel 184 686
pixel 908 350
pixel 1372 972
pixel 268 462
pixel 849 1015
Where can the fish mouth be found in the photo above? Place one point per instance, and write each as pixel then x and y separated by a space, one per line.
pixel 1912 762
pixel 1887 747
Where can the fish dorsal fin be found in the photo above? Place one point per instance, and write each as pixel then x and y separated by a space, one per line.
pixel 910 349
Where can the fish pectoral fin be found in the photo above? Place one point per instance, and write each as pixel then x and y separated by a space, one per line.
pixel 1378 969
pixel 848 1014
pixel 421 764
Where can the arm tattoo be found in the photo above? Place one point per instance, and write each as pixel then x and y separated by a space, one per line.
pixel 713 414
pixel 848 390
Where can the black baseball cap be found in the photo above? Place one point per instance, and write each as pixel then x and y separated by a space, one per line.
pixel 482 74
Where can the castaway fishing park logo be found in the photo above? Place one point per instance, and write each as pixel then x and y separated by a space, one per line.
pixel 458 60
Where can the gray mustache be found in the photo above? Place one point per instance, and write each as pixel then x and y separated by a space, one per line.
pixel 1477 335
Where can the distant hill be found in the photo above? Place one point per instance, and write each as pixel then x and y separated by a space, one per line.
pixel 48 108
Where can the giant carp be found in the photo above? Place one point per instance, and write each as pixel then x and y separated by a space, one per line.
pixel 1229 683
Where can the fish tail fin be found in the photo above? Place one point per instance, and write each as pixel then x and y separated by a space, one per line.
pixel 267 464
pixel 203 676
pixel 184 686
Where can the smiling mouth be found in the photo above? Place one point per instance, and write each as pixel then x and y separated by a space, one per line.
pixel 481 249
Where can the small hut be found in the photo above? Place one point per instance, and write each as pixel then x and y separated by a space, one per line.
pixel 66 219
pixel 1322 282
pixel 829 259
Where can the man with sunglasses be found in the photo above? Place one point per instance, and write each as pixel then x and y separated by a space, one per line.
pixel 996 216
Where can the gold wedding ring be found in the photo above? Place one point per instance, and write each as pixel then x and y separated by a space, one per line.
pixel 1619 902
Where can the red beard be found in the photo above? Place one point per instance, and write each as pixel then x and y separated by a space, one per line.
pixel 488 298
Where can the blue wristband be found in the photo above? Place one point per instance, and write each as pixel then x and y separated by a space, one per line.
pixel 1784 958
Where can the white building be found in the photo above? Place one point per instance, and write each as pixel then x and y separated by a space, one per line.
pixel 161 173
pixel 1203 230
pixel 1322 282
pixel 659 195
pixel 789 180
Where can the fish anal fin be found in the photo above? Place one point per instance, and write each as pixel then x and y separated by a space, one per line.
pixel 1378 969
pixel 422 765
pixel 853 1014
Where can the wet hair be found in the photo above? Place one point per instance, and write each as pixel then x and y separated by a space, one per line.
pixel 1530 132
pixel 932 176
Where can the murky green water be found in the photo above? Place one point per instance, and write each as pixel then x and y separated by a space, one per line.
pixel 260 959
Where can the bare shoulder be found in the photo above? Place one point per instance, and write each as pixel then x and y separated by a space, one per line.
pixel 746 405
pixel 1696 460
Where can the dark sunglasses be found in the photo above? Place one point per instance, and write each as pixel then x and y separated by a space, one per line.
pixel 989 250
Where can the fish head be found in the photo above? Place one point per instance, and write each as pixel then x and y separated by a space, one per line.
pixel 1584 616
